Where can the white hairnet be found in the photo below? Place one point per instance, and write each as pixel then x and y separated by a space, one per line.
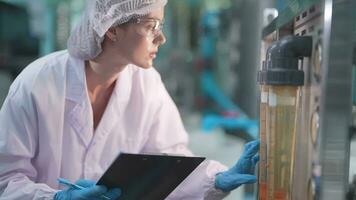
pixel 86 38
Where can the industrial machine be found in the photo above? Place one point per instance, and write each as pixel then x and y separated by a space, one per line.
pixel 306 84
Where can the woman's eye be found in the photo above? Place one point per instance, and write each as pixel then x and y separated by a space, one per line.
pixel 150 26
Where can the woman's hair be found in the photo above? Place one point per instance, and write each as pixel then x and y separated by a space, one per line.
pixel 85 40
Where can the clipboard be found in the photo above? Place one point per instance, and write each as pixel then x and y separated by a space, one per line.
pixel 148 177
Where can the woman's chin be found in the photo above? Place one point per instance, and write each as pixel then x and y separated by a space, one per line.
pixel 145 65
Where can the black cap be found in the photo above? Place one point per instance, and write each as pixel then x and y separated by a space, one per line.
pixel 281 66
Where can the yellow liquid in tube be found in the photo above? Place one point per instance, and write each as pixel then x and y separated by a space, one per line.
pixel 262 180
pixel 281 118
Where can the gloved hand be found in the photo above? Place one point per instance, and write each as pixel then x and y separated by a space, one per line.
pixel 90 192
pixel 242 172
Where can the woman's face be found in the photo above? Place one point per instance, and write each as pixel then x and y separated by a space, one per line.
pixel 141 38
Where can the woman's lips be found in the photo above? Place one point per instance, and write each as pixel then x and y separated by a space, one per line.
pixel 153 55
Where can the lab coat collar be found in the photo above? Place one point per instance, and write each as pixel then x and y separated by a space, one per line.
pixel 77 93
pixel 123 85
pixel 76 82
pixel 118 101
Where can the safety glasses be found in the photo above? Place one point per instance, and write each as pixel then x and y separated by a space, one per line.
pixel 148 27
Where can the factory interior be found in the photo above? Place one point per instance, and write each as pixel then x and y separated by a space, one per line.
pixel 280 71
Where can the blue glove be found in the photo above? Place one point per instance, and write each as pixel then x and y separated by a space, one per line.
pixel 90 192
pixel 242 172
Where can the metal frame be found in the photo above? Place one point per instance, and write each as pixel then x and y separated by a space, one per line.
pixel 336 101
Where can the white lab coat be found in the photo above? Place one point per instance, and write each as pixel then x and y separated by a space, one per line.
pixel 46 130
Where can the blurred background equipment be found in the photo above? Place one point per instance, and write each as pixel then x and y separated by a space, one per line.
pixel 221 111
pixel 29 29
pixel 18 45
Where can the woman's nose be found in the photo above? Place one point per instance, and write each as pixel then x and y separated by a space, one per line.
pixel 160 39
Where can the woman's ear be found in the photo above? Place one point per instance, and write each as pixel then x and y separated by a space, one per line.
pixel 112 34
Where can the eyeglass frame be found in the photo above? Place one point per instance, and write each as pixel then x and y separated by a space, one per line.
pixel 157 28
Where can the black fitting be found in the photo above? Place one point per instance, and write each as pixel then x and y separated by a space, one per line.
pixel 261 76
pixel 281 66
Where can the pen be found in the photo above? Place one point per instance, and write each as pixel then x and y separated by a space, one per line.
pixel 75 186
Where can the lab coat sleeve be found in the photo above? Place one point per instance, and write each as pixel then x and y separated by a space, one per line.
pixel 167 135
pixel 18 142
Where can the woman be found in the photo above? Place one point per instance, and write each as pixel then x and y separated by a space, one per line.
pixel 70 113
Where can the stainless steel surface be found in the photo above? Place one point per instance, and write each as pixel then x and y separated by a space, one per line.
pixel 308 15
pixel 336 82
pixel 309 23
